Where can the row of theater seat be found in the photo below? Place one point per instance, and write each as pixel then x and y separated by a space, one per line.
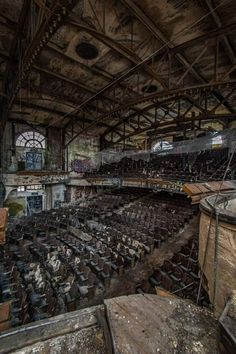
pixel 179 275
pixel 58 260
pixel 201 166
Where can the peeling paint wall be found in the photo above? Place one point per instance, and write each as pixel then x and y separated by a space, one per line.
pixel 54 149
pixel 55 195
pixel 52 194
pixel 11 155
pixel 81 148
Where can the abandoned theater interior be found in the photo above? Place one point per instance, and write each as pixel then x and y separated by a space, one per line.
pixel 118 176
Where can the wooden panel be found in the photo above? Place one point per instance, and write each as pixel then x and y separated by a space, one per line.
pixel 5 311
pixel 191 189
pixel 134 323
pixel 197 191
pixel 3 224
pixel 148 324
pixel 31 333
pixel 3 218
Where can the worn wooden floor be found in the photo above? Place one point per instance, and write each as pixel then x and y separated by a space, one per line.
pixel 147 324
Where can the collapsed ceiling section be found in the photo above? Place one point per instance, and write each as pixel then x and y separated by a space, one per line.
pixel 119 69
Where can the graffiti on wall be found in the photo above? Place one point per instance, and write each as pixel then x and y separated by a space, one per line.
pixel 80 166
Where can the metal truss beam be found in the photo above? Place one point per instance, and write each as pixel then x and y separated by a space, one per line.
pixel 173 95
pixel 155 99
pixel 170 124
pixel 143 18
pixel 133 70
pixel 25 103
pixel 91 69
pixel 79 85
pixel 119 48
pixel 226 42
pixel 28 43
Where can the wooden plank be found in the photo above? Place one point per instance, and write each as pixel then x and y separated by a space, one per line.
pixel 5 311
pixel 3 224
pixel 206 187
pixel 3 218
pixel 187 188
pixel 229 185
pixel 202 188
pixel 148 324
pixel 41 330
pixel 215 186
pixel 193 188
pixel 134 323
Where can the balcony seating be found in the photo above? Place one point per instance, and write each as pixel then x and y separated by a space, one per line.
pixel 196 167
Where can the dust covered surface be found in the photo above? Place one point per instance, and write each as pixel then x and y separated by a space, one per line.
pixel 86 341
pixel 146 324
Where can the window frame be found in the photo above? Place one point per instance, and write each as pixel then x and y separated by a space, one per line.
pixel 31 139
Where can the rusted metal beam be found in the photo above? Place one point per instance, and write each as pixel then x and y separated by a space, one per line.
pixel 123 77
pixel 226 43
pixel 31 45
pixel 145 20
pixel 92 69
pixel 79 85
pixel 175 123
pixel 225 99
pixel 24 103
pixel 118 47
pixel 191 66
pixel 8 79
pixel 171 95
pixel 224 30
pixel 220 31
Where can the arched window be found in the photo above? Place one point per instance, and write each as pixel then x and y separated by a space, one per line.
pixel 31 139
pixel 162 146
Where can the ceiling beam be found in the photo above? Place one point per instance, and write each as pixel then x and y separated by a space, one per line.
pixel 171 95
pixel 147 22
pixel 220 31
pixel 25 103
pixel 207 117
pixel 226 43
pixel 224 30
pixel 9 78
pixel 156 32
pixel 90 68
pixel 119 48
pixel 79 85
pixel 29 44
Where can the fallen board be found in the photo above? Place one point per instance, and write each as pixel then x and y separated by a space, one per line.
pixel 146 324
pixel 197 191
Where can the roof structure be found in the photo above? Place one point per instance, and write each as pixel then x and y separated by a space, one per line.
pixel 118 69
